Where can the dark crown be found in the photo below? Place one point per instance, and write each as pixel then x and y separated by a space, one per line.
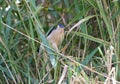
pixel 61 26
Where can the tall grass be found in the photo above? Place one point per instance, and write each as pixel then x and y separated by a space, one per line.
pixel 90 52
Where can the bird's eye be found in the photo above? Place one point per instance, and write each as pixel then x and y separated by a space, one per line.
pixel 61 26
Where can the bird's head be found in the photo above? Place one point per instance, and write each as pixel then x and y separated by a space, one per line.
pixel 60 26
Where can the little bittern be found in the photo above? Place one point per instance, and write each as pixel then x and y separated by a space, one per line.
pixel 56 36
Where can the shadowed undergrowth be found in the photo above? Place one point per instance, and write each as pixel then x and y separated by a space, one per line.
pixel 89 54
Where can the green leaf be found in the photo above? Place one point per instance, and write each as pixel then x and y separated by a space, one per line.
pixel 101 41
pixel 89 57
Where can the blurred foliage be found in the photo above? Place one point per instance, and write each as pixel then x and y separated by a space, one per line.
pixel 25 23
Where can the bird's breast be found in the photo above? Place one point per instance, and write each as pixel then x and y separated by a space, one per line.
pixel 56 36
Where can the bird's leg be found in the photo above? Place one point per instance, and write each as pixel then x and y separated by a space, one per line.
pixel 43 54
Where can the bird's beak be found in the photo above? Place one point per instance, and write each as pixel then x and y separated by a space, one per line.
pixel 58 26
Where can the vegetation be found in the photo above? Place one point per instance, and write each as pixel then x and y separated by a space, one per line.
pixel 89 54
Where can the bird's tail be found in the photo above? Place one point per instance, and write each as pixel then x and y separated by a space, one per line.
pixel 39 50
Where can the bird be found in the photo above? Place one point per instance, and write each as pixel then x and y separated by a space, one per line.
pixel 55 37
